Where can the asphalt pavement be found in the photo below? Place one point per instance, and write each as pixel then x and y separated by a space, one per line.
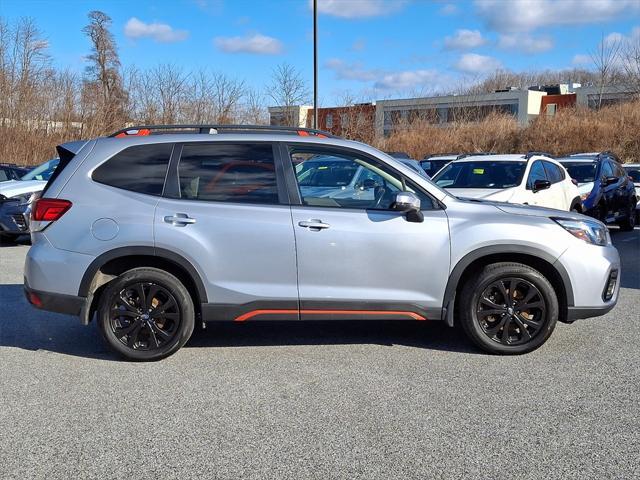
pixel 320 400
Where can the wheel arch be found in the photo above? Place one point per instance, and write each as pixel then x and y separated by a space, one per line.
pixel 531 256
pixel 109 265
pixel 576 202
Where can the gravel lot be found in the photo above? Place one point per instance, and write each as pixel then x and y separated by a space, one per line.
pixel 320 400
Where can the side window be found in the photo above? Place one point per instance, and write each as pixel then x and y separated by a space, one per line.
pixel 536 173
pixel 139 169
pixel 607 171
pixel 554 173
pixel 344 180
pixel 222 172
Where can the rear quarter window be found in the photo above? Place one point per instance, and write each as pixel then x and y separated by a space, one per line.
pixel 141 169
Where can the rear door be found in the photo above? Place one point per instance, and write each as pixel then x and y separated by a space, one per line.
pixel 611 195
pixel 357 258
pixel 224 210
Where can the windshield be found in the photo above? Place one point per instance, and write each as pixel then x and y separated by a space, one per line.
pixel 496 175
pixel 325 173
pixel 581 172
pixel 42 172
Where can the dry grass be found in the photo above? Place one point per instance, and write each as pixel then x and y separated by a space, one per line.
pixel 612 128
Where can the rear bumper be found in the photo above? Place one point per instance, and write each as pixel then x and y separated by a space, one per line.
pixel 54 302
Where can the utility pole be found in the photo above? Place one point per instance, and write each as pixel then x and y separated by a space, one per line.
pixel 315 63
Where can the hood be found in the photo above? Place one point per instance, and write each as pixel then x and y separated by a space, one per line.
pixel 517 209
pixel 20 187
pixel 585 188
pixel 503 195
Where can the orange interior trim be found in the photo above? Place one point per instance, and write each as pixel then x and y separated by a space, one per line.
pixel 255 313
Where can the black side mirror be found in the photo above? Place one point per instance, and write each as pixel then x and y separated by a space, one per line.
pixel 541 185
pixel 610 180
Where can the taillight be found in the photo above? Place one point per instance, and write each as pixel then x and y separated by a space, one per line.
pixel 49 209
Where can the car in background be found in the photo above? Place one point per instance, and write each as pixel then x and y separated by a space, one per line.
pixel 606 191
pixel 531 179
pixel 432 163
pixel 633 170
pixel 414 165
pixel 11 171
pixel 15 196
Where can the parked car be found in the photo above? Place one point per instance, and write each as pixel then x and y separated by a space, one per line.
pixel 153 233
pixel 633 171
pixel 531 179
pixel 15 196
pixel 606 191
pixel 415 165
pixel 433 163
pixel 10 171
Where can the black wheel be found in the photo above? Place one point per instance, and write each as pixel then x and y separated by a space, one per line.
pixel 146 314
pixel 629 221
pixel 508 308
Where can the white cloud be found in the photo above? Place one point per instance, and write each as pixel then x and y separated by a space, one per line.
pixel 477 64
pixel 358 8
pixel 581 60
pixel 383 79
pixel 464 40
pixel 525 43
pixel 160 32
pixel 528 15
pixel 256 43
pixel 449 9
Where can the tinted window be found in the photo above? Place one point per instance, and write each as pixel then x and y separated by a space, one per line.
pixel 139 169
pixel 228 173
pixel 344 180
pixel 581 172
pixel 554 173
pixel 536 173
pixel 607 171
pixel 42 172
pixel 480 174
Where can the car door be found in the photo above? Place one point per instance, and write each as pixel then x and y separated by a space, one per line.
pixel 556 191
pixel 610 192
pixel 357 257
pixel 224 209
pixel 540 198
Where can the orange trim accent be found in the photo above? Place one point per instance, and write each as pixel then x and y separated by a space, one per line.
pixel 302 133
pixel 255 313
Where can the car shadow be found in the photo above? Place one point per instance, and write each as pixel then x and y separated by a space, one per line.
pixel 25 327
pixel 628 245
pixel 11 242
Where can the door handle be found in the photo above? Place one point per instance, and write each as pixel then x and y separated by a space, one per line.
pixel 179 220
pixel 315 225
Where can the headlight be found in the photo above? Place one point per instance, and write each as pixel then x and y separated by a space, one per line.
pixel 584 196
pixel 588 230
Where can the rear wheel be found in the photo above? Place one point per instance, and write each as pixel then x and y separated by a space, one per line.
pixel 629 222
pixel 508 308
pixel 146 314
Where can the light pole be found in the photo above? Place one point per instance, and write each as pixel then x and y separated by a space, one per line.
pixel 315 63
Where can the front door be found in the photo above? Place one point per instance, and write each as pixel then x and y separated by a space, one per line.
pixel 540 198
pixel 224 211
pixel 357 258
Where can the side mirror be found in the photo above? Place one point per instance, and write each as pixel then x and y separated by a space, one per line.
pixel 610 180
pixel 409 204
pixel 541 185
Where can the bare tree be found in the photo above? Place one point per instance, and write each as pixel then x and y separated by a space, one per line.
pixel 287 89
pixel 605 59
pixel 254 111
pixel 630 56
pixel 103 73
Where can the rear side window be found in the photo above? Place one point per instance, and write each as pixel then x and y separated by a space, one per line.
pixel 237 173
pixel 554 173
pixel 140 169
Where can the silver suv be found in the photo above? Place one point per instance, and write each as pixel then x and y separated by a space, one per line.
pixel 156 229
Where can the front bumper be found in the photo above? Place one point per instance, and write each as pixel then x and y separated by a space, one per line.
pixel 13 218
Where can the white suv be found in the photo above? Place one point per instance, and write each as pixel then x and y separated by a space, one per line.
pixel 531 179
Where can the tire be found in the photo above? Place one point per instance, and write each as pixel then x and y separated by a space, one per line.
pixel 146 314
pixel 629 222
pixel 526 330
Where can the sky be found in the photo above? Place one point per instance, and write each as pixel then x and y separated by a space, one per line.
pixel 368 49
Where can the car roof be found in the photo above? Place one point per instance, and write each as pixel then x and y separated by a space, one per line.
pixel 573 159
pixel 510 157
pixel 440 157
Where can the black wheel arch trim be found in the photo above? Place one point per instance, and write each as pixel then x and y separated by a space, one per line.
pixel 162 253
pixel 456 274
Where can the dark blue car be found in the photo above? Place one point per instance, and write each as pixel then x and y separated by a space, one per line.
pixel 606 191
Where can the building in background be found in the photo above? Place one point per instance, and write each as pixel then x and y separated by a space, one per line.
pixel 590 96
pixel 293 116
pixel 354 121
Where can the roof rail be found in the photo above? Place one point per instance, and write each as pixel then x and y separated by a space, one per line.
pixel 144 130
pixel 533 153
pixel 475 154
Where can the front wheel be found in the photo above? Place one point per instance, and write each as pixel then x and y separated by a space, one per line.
pixel 508 308
pixel 629 222
pixel 146 314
